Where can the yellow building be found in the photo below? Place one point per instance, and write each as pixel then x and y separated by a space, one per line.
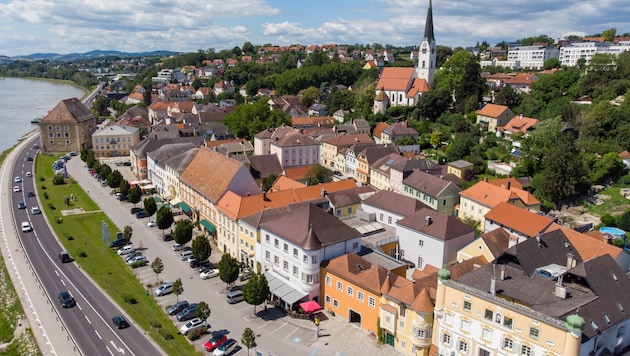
pixel 374 298
pixel 540 298
pixel 459 168
pixel 67 127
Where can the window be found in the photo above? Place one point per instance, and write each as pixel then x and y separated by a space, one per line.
pixel 371 302
pixel 508 344
pixel 420 262
pixel 420 243
pixel 295 252
pixel 335 303
pixel 402 311
pixel 305 258
pixel 267 255
pixel 380 216
pixel 285 265
pixel 328 280
pixel 467 305
pixel 389 220
pixel 486 334
pixel 355 245
pixel 448 318
pixel 339 286
pixel 295 271
pixel 526 350
pixel 401 324
pixel 327 299
pixel 267 238
pixel 446 339
pixel 350 291
pixel 534 333
pixel 388 319
pixel 507 322
pixel 465 325
pixel 276 243
pixel 462 346
pixel 314 259
pixel 403 344
pixel 286 248
pixel 489 314
pixel 276 260
pixel 360 296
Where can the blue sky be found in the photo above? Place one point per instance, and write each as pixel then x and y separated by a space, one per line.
pixel 67 26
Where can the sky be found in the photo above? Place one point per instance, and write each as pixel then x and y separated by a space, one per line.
pixel 69 26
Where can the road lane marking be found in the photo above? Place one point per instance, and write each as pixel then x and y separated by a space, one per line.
pixel 286 323
pixel 88 320
pixel 291 333
pixel 121 350
pixel 97 334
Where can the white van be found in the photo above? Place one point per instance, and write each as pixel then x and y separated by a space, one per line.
pixel 235 296
pixel 185 255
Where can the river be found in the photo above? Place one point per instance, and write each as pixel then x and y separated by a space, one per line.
pixel 22 100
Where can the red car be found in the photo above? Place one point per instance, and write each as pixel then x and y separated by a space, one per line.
pixel 214 342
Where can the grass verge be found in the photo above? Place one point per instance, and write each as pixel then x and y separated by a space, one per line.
pixel 80 234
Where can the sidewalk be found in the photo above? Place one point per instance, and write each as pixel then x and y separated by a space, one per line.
pixel 41 316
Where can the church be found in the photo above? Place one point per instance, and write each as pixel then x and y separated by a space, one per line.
pixel 402 86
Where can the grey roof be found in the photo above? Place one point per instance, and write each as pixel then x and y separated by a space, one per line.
pixel 181 161
pixel 150 144
pixel 384 164
pixel 428 26
pixel 262 166
pixel 295 139
pixel 394 202
pixel 372 154
pixel 361 124
pixel 460 164
pixel 438 225
pixel 308 226
pixel 409 165
pixel 164 152
pixel 427 183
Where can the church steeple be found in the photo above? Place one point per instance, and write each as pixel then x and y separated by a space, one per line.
pixel 426 55
pixel 428 26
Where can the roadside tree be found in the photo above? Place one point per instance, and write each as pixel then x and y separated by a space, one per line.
pixel 124 187
pixel 114 179
pixel 248 339
pixel 104 171
pixel 150 206
pixel 134 195
pixel 183 231
pixel 158 267
pixel 178 288
pixel 164 218
pixel 201 248
pixel 203 311
pixel 228 269
pixel 256 290
pixel 127 232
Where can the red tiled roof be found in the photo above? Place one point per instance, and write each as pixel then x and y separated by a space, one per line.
pixel 492 110
pixel 396 78
pixel 518 219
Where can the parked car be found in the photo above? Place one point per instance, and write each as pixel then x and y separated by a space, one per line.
pixel 29 158
pixel 177 307
pixel 118 242
pixel 134 210
pixel 193 324
pixel 21 205
pixel 177 247
pixel 167 237
pixel 152 223
pixel 125 250
pixel 225 348
pixel 214 342
pixel 164 289
pixel 66 299
pixel 132 255
pixel 120 322
pixel 211 273
pixel 245 274
pixel 187 313
pixel 141 214
pixel 137 259
pixel 35 210
pixel 204 266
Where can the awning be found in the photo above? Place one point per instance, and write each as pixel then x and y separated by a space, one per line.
pixel 185 207
pixel 283 290
pixel 310 306
pixel 208 225
pixel 148 186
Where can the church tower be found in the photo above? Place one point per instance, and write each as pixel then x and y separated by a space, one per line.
pixel 426 54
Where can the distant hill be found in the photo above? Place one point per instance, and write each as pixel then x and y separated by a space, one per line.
pixel 87 55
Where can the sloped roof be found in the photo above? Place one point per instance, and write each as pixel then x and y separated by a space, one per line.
pixel 262 166
pixel 309 227
pixel 384 164
pixel 349 140
pixel 295 139
pixel 179 162
pixel 284 183
pixel 372 153
pixel 394 202
pixel 396 78
pixel 520 124
pixel 435 224
pixel 587 246
pixel 518 219
pixel 167 151
pixel 419 85
pixel 379 128
pixel 400 128
pixel 492 110
pixel 490 195
pixel 427 183
pixel 497 241
pixel 68 111
pixel 409 164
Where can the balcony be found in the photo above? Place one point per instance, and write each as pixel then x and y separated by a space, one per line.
pixel 421 334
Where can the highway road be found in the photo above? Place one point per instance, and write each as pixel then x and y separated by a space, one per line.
pixel 89 322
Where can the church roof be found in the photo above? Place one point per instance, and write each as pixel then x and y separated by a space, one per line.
pixel 428 26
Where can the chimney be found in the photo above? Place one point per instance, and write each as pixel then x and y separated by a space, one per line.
pixel 493 286
pixel 485 179
pixel 502 269
pixel 427 220
pixel 538 237
pixel 521 116
pixel 560 290
pixel 323 192
pixel 442 177
pixel 570 260
pixel 508 184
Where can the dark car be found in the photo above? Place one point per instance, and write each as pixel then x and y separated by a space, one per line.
pixel 30 194
pixel 127 164
pixel 21 205
pixel 177 307
pixel 214 342
pixel 204 266
pixel 66 299
pixel 168 237
pixel 29 158
pixel 141 214
pixel 120 322
pixel 187 313
pixel 135 210
pixel 118 242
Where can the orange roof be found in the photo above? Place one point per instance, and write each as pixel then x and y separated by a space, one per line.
pixel 237 207
pixel 419 85
pixel 490 195
pixel 380 126
pixel 297 173
pixel 492 110
pixel 502 182
pixel 159 106
pixel 284 183
pixel 520 123
pixel 349 140
pixel 586 246
pixel 518 219
pixel 396 78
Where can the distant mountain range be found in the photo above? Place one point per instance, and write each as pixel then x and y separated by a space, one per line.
pixel 85 55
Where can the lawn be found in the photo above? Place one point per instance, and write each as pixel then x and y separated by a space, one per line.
pixel 615 206
pixel 80 234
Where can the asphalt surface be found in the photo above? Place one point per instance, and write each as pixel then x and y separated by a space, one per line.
pixel 84 329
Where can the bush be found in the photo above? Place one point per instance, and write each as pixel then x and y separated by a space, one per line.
pixel 130 299
pixel 166 335
pixel 43 187
pixel 59 180
pixel 51 206
pixel 41 179
pixel 69 237
pixel 46 195
pixel 608 220
pixel 617 242
pixel 195 334
pixel 625 180
pixel 156 324
pixel 81 253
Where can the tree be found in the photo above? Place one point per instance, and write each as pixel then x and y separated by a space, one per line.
pixel 158 267
pixel 104 170
pixel 201 248
pixel 123 188
pixel 436 139
pixel 248 48
pixel 134 195
pixel 183 231
pixel 127 232
pixel 461 76
pixel 164 218
pixel 318 174
pixel 228 269
pixel 310 95
pixel 150 206
pixel 552 63
pixel 434 103
pixel 178 288
pixel 623 222
pixel 509 97
pixel 203 311
pixel 114 179
pixel 197 83
pixel 100 106
pixel 256 290
pixel 268 182
pixel 248 339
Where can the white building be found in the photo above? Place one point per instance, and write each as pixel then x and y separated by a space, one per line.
pixel 295 149
pixel 531 57
pixel 166 76
pixel 294 240
pixel 571 54
pixel 156 170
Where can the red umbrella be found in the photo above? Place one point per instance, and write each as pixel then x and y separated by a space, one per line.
pixel 310 306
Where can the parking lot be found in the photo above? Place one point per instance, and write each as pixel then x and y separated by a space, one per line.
pixel 276 334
